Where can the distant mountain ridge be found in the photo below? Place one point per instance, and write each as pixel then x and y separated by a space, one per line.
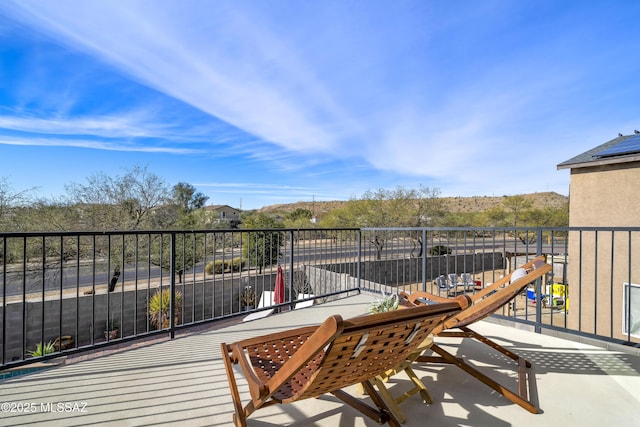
pixel 452 204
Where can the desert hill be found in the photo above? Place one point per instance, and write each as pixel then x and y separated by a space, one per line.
pixel 452 204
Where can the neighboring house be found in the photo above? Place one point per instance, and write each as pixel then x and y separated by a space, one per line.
pixel 604 189
pixel 224 214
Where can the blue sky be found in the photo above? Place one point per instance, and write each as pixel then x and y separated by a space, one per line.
pixel 264 102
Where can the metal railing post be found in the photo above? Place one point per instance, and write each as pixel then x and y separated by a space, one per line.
pixel 359 234
pixel 539 284
pixel 424 259
pixel 4 299
pixel 291 265
pixel 172 286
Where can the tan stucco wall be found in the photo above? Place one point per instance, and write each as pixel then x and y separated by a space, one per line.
pixel 607 196
pixel 596 279
pixel 229 213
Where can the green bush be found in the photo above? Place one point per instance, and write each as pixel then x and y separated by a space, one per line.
pixel 215 267
pixel 219 266
pixel 440 250
pixel 208 269
pixel 237 264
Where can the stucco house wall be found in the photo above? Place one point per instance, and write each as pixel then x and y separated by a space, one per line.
pixel 607 195
pixel 223 214
pixel 603 193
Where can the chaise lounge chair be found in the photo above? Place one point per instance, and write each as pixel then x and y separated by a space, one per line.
pixel 309 362
pixel 485 303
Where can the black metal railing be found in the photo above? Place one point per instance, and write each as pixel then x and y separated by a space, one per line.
pixel 80 291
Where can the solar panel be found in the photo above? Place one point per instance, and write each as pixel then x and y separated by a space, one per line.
pixel 628 146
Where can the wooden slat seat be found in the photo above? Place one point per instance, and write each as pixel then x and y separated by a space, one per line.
pixel 308 362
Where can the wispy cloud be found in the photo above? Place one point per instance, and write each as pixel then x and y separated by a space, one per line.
pixel 270 192
pixel 226 71
pixel 464 98
pixel 94 144
pixel 113 127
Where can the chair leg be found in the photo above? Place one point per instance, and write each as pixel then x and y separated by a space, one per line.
pixel 419 387
pixel 519 399
pixel 418 384
pixel 239 418
pixel 381 414
pixel 496 346
pixel 389 399
pixel 380 404
pixel 394 402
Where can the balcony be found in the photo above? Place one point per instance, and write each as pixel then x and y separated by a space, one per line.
pixel 183 381
pixel 585 351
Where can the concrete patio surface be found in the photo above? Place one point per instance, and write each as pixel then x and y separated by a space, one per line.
pixel 183 382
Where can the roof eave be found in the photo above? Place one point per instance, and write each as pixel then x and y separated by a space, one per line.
pixel 601 162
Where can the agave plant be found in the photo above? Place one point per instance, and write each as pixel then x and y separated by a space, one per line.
pixel 112 330
pixel 384 304
pixel 159 305
pixel 43 349
pixel 248 297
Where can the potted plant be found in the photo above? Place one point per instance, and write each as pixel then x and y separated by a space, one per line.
pixel 64 342
pixel 111 331
pixel 384 304
pixel 248 298
pixel 159 306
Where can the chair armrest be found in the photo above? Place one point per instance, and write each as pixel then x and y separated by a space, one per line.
pixel 421 295
pixel 257 388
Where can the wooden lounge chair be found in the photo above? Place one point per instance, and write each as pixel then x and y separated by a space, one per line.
pixel 485 303
pixel 308 362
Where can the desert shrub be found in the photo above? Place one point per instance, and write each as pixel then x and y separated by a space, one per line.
pixel 159 305
pixel 440 250
pixel 209 268
pixel 215 267
pixel 237 264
